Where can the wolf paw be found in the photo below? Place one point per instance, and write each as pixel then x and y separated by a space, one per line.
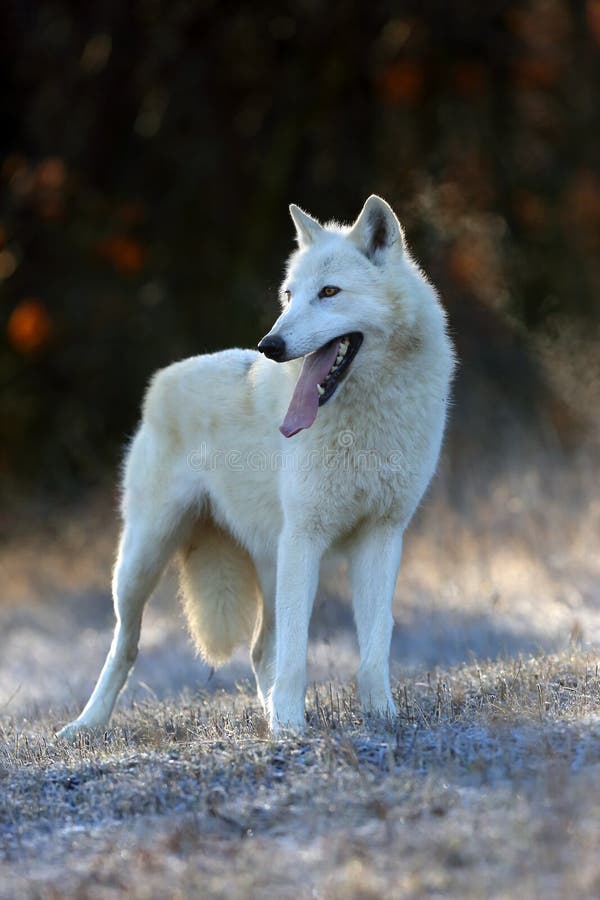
pixel 379 704
pixel 375 694
pixel 285 720
pixel 384 710
pixel 76 730
pixel 287 729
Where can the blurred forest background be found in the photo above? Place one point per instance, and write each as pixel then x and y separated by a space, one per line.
pixel 148 154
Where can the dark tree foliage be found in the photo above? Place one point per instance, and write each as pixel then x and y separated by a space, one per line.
pixel 149 151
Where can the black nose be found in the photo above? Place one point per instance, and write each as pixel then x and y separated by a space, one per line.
pixel 273 347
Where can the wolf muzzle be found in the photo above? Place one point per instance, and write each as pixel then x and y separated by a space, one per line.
pixel 273 347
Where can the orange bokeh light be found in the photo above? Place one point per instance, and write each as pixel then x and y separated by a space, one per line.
pixel 402 82
pixel 593 19
pixel 29 326
pixel 127 255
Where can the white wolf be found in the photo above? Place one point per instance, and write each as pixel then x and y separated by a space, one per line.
pixel 249 466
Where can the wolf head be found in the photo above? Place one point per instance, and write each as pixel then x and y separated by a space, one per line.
pixel 339 303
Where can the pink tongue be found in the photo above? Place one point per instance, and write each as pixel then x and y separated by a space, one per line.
pixel 304 405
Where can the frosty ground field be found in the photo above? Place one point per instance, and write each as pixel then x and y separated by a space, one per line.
pixel 485 786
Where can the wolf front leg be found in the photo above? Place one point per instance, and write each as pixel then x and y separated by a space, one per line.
pixel 298 559
pixel 374 569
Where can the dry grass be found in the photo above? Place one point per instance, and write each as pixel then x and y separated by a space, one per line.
pixel 486 785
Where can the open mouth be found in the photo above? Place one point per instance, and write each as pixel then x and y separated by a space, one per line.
pixel 349 346
pixel 322 372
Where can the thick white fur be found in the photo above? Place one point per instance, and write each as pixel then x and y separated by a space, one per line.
pixel 220 591
pixel 250 514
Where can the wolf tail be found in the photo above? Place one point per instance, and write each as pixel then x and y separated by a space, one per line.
pixel 220 592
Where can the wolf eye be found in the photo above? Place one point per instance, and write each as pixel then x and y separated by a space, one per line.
pixel 328 291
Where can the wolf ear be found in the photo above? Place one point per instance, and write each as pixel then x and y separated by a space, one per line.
pixel 376 229
pixel 307 228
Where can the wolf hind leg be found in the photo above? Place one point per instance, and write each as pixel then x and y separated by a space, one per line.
pixel 154 524
pixel 262 652
pixel 220 591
